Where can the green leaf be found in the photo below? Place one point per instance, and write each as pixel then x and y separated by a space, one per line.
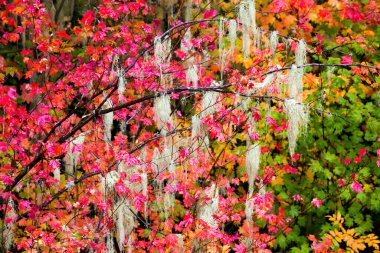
pixel 330 157
pixel 345 195
pixel 294 211
pixel 361 196
pixel 146 233
pixel 327 173
pixel 295 250
pixel 365 172
pixel 348 221
pixel 281 241
pixel 374 202
pixel 355 115
pixel 283 196
pixel 338 171
pixel 316 166
pixel 326 228
pixel 365 226
pixel 302 221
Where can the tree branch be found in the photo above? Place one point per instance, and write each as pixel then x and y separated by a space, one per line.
pixel 322 65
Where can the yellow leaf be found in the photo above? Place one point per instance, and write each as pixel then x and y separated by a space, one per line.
pixel 19 9
pixel 278 180
pixel 336 3
pixel 226 249
pixel 369 33
pixel 366 89
pixel 309 175
pixel 289 20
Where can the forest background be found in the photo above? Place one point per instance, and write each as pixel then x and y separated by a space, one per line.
pixel 189 126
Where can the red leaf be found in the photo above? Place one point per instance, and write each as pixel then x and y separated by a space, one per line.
pixel 362 152
pixel 312 238
pixel 180 54
pixel 63 34
pixel 88 17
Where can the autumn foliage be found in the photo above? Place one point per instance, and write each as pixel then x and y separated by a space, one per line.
pixel 189 126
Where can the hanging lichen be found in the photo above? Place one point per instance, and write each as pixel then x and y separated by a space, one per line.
pixel 121 86
pixel 168 204
pixel 180 243
pixel 107 119
pixel 188 10
pixel 192 75
pixel 252 13
pixel 186 42
pixel 222 53
pixel 252 163
pixel 221 35
pixel 73 154
pixel 125 221
pixel 257 34
pixel 232 31
pixel 196 127
pixel 163 111
pixel 57 174
pixel 248 209
pixel 8 231
pixel 209 101
pixel 301 53
pixel 267 81
pixel 109 244
pixel 246 45
pixel 298 118
pixel 209 209
pixel 162 50
pixel 295 83
pixel 247 24
pixel 273 42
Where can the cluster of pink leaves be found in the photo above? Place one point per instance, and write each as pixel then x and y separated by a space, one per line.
pixel 41 121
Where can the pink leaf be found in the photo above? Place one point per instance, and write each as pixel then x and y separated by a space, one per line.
pixel 187 220
pixel 317 202
pixel 184 153
pixel 254 136
pixel 347 60
pixel 356 187
pixel 240 248
pixel 3 147
pixel 135 178
pixel 278 6
pixel 210 14
pixel 353 13
pixel 24 205
pixel 54 164
pixel 347 161
pixel 270 121
pixel 297 198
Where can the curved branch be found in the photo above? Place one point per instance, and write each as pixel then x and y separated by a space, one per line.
pixel 63 190
pixel 322 65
